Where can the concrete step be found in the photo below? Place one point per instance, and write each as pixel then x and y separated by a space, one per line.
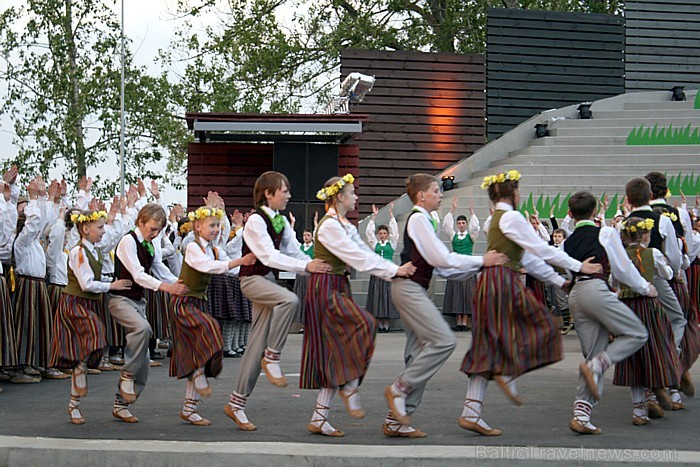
pixel 582 131
pixel 661 114
pixel 592 169
pixel 602 149
pixel 634 119
pixel 582 140
pixel 668 105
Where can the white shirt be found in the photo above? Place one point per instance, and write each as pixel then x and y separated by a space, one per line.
pixel 204 261
pixel 234 249
pixel 370 233
pixel 9 224
pixel 288 258
pixel 472 228
pixel 83 272
pixel 667 231
pixel 446 263
pixel 56 256
pixel 344 241
pixel 30 259
pixel 661 267
pixel 128 255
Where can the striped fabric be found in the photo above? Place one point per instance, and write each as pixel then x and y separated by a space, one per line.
pixel 379 302
pixel 197 339
pixel 225 299
pixel 55 292
pixel 513 332
pixel 159 313
pixel 116 334
pixel 301 282
pixel 79 333
pixel 8 336
pixel 656 364
pixel 693 273
pixel 690 344
pixel 338 334
pixel 459 297
pixel 539 289
pixel 33 321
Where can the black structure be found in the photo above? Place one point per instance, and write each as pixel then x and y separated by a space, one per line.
pixel 540 60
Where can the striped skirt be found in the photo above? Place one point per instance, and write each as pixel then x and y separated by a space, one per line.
pixel 196 337
pixel 301 282
pixel 55 292
pixel 338 334
pixel 538 288
pixel 459 297
pixel 158 313
pixel 690 344
pixel 33 321
pixel 225 299
pixel 512 331
pixel 8 336
pixel 379 302
pixel 79 333
pixel 656 364
pixel 693 273
pixel 116 334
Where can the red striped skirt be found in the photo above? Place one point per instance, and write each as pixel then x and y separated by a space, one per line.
pixel 8 336
pixel 79 334
pixel 33 321
pixel 656 364
pixel 690 344
pixel 196 337
pixel 512 331
pixel 693 273
pixel 539 288
pixel 55 292
pixel 159 313
pixel 338 334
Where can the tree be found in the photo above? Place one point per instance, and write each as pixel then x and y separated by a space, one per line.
pixel 62 70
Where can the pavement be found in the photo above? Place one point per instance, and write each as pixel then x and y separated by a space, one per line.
pixel 34 427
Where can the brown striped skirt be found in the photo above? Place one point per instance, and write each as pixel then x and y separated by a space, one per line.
pixel 55 291
pixel 301 283
pixel 690 344
pixel 79 334
pixel 539 288
pixel 33 321
pixel 196 337
pixel 693 273
pixel 338 334
pixel 379 302
pixel 459 297
pixel 656 364
pixel 159 313
pixel 512 331
pixel 8 336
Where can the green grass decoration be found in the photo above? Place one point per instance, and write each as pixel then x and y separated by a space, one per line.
pixel 697 100
pixel 561 206
pixel 690 184
pixel 664 136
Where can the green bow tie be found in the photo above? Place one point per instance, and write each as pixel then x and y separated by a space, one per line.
pixel 435 224
pixel 278 223
pixel 149 247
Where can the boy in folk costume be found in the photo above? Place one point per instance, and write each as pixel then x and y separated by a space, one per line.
pixel 597 310
pixel 268 236
pixel 79 334
pixel 513 331
pixel 379 291
pixel 429 340
pixel 136 261
pixel 198 344
pixel 8 351
pixel 459 295
pixel 339 335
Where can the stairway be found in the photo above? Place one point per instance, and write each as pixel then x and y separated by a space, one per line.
pixel 590 155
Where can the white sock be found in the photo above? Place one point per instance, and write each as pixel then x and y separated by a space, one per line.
pixel 399 402
pixel 510 382
pixel 80 375
pixel 354 400
pixel 227 334
pixel 582 413
pixel 648 394
pixel 473 405
pixel 199 379
pixel 272 357
pixel 237 402
pixel 189 409
pixel 323 408
pixel 236 335
pixel 122 408
pixel 74 406
pixel 676 396
pixel 127 382
pixel 638 396
pixel 391 421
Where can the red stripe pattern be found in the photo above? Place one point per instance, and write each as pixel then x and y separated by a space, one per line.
pixel 690 344
pixel 197 338
pixel 79 334
pixel 338 334
pixel 33 322
pixel 8 336
pixel 513 332
pixel 159 313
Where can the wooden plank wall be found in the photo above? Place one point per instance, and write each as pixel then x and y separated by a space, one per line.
pixel 426 112
pixel 662 44
pixel 539 60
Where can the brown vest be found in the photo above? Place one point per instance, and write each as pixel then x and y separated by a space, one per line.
pixel 424 271
pixel 73 287
pixel 643 259
pixel 496 240
pixel 195 280
pixel 259 269
pixel 321 252
pixel 120 272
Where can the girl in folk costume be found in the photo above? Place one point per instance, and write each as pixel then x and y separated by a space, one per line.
pixel 79 334
pixel 339 335
pixel 459 295
pixel 33 317
pixel 270 238
pixel 656 364
pixel 8 351
pixel 197 337
pixel 513 332
pixel 379 291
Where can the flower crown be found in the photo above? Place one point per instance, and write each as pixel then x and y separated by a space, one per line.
pixel 512 175
pixel 185 228
pixel 204 212
pixel 671 216
pixel 646 224
pixel 79 218
pixel 330 191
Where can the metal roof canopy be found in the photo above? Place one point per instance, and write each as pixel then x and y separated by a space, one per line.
pixel 219 127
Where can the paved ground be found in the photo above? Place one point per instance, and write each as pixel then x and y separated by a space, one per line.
pixel 39 410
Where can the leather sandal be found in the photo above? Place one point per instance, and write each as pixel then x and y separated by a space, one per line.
pixel 118 413
pixel 579 426
pixel 474 425
pixel 663 398
pixel 354 413
pixel 638 420
pixel 687 386
pixel 393 430
pixel 189 416
pixel 205 391
pixel 514 397
pixel 73 410
pixel 318 429
pixel 129 397
pixel 279 382
pixel 231 412
pixel 390 399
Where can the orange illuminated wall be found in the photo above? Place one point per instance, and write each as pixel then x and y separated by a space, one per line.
pixel 426 112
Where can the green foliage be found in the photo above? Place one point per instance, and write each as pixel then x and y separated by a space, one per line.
pixel 664 136
pixel 559 206
pixel 697 100
pixel 688 184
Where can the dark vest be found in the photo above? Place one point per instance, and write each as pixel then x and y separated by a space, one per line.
pixel 120 272
pixel 643 260
pixel 657 240
pixel 677 225
pixel 424 271
pixel 584 243
pixel 259 269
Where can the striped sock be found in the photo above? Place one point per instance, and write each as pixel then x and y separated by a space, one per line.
pixel 236 335
pixel 227 334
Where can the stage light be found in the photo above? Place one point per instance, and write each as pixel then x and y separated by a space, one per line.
pixel 352 91
pixel 541 130
pixel 448 182
pixel 584 111
pixel 678 93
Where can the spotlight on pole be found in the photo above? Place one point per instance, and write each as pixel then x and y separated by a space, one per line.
pixel 584 111
pixel 541 130
pixel 678 93
pixel 448 182
pixel 352 91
